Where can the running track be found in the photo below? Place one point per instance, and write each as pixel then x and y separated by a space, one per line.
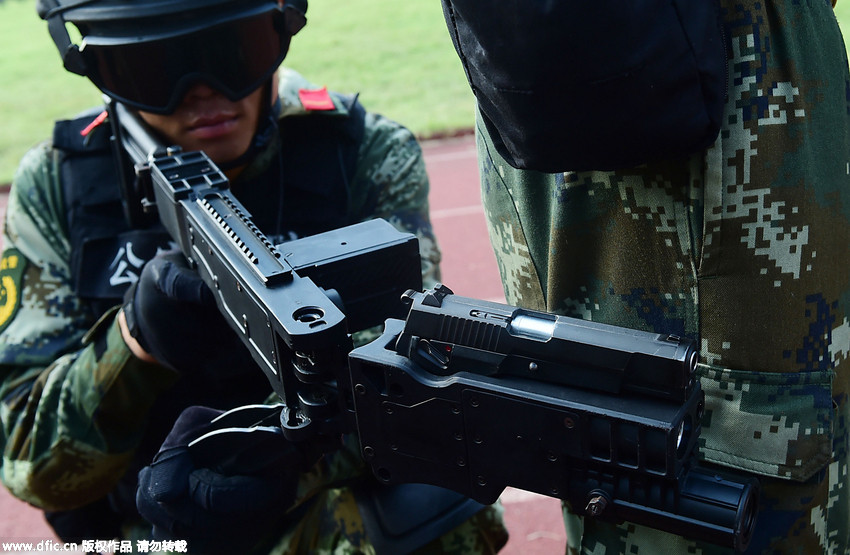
pixel 469 269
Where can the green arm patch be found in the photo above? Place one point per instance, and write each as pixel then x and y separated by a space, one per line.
pixel 12 267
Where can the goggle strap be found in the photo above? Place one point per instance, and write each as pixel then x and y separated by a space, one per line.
pixel 72 59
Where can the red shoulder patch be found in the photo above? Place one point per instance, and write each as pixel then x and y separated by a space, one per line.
pixel 316 99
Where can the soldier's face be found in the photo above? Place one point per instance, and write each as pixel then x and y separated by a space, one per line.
pixel 207 120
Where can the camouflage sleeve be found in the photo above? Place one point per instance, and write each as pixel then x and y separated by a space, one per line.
pixel 391 183
pixel 73 404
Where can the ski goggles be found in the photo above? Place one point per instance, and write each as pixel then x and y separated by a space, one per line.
pixel 153 74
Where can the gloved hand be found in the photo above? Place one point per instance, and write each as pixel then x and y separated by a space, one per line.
pixel 172 314
pixel 214 510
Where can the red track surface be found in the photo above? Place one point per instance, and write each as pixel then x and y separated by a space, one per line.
pixel 469 268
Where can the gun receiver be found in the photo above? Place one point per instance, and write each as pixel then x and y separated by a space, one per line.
pixel 278 298
pixel 452 397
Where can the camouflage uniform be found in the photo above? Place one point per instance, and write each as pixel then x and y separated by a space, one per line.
pixel 744 247
pixel 75 405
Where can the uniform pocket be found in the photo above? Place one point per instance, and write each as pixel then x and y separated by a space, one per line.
pixel 773 424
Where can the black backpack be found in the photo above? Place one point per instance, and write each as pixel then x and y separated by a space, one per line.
pixel 593 85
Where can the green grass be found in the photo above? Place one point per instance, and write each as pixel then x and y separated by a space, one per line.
pixel 396 53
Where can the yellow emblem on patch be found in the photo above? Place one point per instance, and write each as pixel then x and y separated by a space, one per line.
pixel 12 267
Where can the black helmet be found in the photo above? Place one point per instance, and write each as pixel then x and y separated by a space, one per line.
pixel 147 53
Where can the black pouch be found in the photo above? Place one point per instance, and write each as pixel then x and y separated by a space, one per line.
pixel 594 85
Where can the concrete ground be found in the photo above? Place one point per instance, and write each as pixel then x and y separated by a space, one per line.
pixel 469 269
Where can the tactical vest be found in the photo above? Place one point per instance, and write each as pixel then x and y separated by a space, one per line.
pixel 316 165
pixel 106 254
pixel 313 171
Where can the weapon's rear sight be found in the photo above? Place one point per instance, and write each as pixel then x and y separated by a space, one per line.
pixel 473 396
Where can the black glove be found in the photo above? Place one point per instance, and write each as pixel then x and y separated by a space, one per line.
pixel 172 314
pixel 213 511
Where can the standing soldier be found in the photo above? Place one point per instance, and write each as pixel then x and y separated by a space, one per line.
pixel 742 246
